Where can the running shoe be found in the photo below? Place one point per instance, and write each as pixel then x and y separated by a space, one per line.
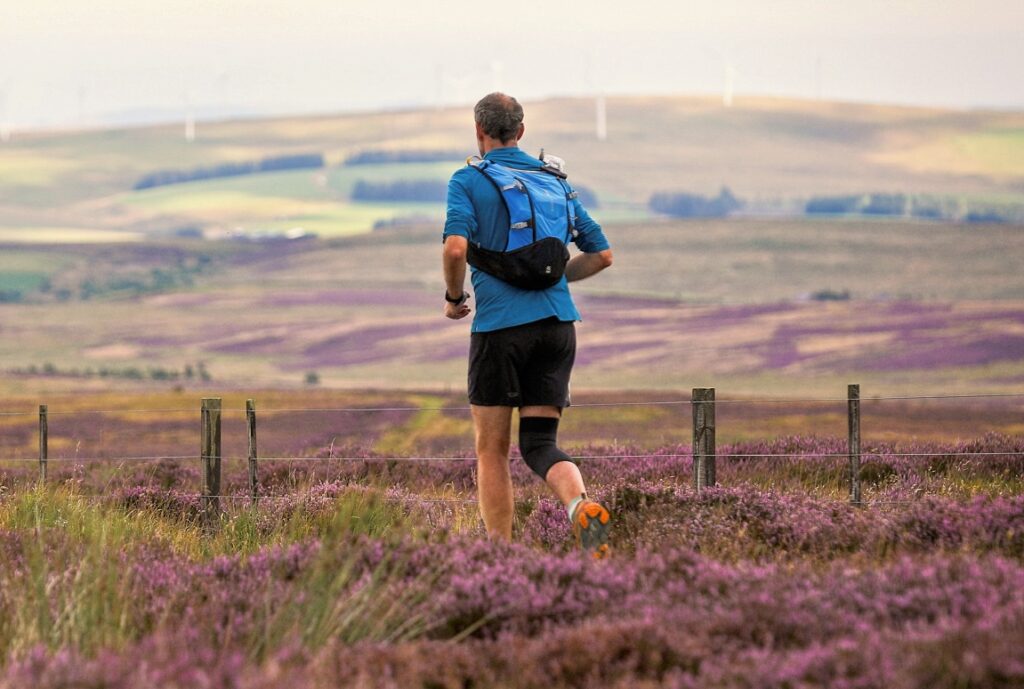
pixel 590 526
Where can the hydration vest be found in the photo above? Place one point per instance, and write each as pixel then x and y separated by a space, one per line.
pixel 542 220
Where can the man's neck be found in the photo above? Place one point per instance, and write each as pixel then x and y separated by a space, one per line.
pixel 488 145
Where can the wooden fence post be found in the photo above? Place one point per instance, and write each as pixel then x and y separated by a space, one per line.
pixel 250 417
pixel 44 441
pixel 853 413
pixel 211 456
pixel 703 437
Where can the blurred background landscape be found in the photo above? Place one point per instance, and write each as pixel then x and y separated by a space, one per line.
pixel 796 201
pixel 768 247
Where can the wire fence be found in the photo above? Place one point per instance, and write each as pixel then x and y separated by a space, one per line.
pixel 212 453
pixel 737 455
pixel 582 405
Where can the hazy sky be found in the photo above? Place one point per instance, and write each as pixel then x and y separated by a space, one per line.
pixel 64 62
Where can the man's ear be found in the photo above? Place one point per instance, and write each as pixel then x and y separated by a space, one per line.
pixel 479 131
pixel 522 130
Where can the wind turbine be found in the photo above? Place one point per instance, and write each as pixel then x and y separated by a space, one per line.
pixel 5 127
pixel 460 84
pixel 190 118
pixel 497 70
pixel 817 77
pixel 83 95
pixel 730 84
pixel 729 72
pixel 600 103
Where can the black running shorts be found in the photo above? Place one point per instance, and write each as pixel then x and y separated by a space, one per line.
pixel 522 366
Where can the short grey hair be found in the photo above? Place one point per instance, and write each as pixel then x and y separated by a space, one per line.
pixel 499 115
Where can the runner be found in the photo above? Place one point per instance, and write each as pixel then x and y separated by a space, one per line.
pixel 523 339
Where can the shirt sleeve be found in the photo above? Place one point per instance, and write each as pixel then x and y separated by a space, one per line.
pixel 591 237
pixel 460 218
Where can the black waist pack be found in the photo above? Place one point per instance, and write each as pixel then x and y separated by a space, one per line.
pixel 535 266
pixel 542 220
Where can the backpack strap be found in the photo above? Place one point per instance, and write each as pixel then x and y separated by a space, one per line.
pixel 570 207
pixel 513 194
pixel 570 194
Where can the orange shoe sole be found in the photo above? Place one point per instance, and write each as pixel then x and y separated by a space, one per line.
pixel 591 528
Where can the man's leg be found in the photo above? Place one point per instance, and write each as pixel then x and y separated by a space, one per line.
pixel 494 481
pixel 563 478
pixel 589 519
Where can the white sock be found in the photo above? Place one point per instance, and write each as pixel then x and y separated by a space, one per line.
pixel 571 507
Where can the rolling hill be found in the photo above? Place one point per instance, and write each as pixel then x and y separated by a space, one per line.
pixel 63 186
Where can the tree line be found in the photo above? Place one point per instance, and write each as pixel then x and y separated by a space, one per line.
pixel 298 161
pixel 197 372
pixel 431 191
pixel 689 205
pixel 905 205
pixel 381 157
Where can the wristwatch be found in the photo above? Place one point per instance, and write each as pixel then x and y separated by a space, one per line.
pixel 458 301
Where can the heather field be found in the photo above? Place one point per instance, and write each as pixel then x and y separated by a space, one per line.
pixel 364 563
pixel 357 569
pixel 742 305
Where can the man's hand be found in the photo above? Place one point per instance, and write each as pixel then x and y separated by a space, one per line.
pixel 582 266
pixel 459 310
pixel 454 259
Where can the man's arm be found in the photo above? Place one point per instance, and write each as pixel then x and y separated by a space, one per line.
pixel 454 261
pixel 584 265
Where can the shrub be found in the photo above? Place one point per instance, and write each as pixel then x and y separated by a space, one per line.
pixel 272 164
pixel 833 205
pixel 885 204
pixel 586 196
pixel 685 205
pixel 986 217
pixel 930 208
pixel 407 156
pixel 831 295
pixel 418 190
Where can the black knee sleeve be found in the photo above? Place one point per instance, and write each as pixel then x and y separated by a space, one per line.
pixel 538 437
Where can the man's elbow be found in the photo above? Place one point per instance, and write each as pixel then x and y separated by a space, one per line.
pixel 455 249
pixel 455 253
pixel 606 258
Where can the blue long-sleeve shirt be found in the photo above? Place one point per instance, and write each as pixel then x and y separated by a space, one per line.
pixel 476 212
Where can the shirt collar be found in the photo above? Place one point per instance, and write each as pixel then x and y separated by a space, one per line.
pixel 511 154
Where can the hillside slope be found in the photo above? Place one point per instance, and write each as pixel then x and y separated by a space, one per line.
pixel 762 148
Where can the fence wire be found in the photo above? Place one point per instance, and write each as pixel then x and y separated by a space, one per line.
pixel 467 456
pixel 300 497
pixel 657 455
pixel 582 405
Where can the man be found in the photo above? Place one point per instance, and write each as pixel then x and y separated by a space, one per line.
pixel 523 341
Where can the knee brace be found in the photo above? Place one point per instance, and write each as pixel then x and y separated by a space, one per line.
pixel 538 436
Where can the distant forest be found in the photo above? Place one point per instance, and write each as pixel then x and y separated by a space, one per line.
pixel 923 207
pixel 406 190
pixel 379 157
pixel 298 161
pixel 688 205
pixel 684 205
pixel 429 191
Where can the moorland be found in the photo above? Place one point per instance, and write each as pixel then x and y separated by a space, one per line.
pixel 197 287
pixel 364 563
